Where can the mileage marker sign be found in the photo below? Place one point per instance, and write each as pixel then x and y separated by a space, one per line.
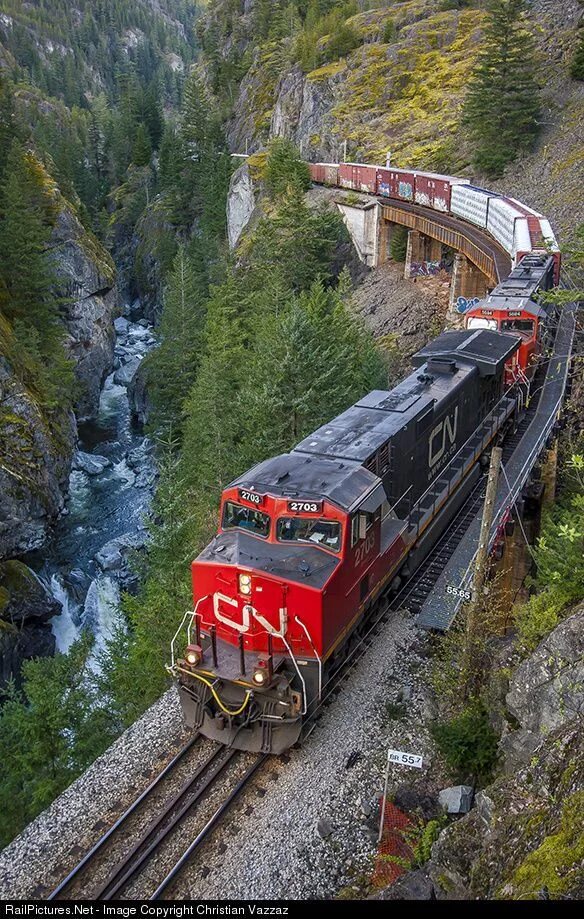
pixel 399 758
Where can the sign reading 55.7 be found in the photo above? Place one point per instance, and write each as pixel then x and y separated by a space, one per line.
pixel 404 759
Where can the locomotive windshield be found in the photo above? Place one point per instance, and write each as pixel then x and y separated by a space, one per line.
pixel 236 516
pixel 524 326
pixel 479 322
pixel 325 533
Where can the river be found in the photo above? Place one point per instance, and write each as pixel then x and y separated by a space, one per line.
pixel 87 561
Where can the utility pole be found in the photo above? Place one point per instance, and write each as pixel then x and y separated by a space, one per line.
pixel 344 151
pixel 481 563
pixel 388 159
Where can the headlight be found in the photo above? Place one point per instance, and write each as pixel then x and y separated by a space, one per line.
pixel 193 655
pixel 260 677
pixel 245 584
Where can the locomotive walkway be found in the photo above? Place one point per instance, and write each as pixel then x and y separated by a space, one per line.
pixel 441 606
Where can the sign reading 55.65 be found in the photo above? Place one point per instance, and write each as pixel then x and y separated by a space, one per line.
pixel 305 507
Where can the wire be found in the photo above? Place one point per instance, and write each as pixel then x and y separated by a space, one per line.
pixel 215 695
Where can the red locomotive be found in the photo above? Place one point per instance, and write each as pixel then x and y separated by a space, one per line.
pixel 512 308
pixel 308 541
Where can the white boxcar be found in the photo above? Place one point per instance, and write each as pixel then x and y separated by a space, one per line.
pixel 508 225
pixel 471 203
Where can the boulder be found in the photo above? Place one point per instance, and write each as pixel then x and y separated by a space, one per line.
pixel 324 828
pixel 90 463
pixel 109 557
pixel 457 799
pixel 415 885
pixel 121 325
pixel 125 375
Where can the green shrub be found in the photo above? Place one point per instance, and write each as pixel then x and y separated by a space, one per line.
pixel 468 742
pixel 577 65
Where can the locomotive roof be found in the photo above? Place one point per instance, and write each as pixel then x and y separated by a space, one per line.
pixel 523 282
pixel 306 564
pixel 487 351
pixel 329 463
pixel 297 476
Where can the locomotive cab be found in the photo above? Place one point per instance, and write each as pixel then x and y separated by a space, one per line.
pixel 252 666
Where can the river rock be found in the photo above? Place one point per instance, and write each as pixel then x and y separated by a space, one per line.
pixel 90 463
pixel 121 326
pixel 138 333
pixel 138 395
pixel 110 556
pixel 125 375
pixel 140 455
pixel 26 608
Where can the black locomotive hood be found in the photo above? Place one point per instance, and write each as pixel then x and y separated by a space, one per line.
pixel 305 564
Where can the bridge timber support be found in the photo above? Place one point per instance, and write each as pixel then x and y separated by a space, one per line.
pixel 479 264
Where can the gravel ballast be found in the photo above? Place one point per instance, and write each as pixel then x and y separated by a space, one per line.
pixel 308 830
pixel 51 845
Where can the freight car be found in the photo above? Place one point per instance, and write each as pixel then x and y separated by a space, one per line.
pixel 518 229
pixel 309 540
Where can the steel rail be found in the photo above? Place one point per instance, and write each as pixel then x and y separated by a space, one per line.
pixel 135 858
pixel 89 856
pixel 211 823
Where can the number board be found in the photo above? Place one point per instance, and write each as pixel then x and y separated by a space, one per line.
pixel 459 592
pixel 305 507
pixel 404 759
pixel 515 313
pixel 487 312
pixel 251 497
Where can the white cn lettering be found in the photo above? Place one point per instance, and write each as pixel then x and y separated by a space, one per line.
pixel 437 445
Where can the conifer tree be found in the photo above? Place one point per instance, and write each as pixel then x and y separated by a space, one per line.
pixel 25 263
pixel 172 367
pixel 502 105
pixel 142 148
pixel 212 430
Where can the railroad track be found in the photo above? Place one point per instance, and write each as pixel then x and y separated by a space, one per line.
pixel 143 852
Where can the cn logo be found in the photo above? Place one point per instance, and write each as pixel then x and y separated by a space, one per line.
pixel 443 436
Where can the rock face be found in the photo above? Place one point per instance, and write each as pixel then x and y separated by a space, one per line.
pixel 35 459
pixel 302 113
pixel 546 691
pixel 26 608
pixel 524 837
pixel 87 285
pixel 240 204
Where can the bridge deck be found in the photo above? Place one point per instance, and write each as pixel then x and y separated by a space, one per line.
pixel 441 607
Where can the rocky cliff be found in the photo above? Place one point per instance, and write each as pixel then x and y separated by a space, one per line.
pixel 86 278
pixel 26 608
pixel 35 450
pixel 523 839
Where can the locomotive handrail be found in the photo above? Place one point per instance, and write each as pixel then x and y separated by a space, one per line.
pixel 493 414
pixel 523 474
pixel 191 614
pixel 316 654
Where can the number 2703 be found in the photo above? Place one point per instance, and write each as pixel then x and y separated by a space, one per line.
pixel 364 548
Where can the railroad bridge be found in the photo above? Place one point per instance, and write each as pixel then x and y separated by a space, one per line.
pixel 479 263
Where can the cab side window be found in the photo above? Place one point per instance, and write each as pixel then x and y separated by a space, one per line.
pixel 360 525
